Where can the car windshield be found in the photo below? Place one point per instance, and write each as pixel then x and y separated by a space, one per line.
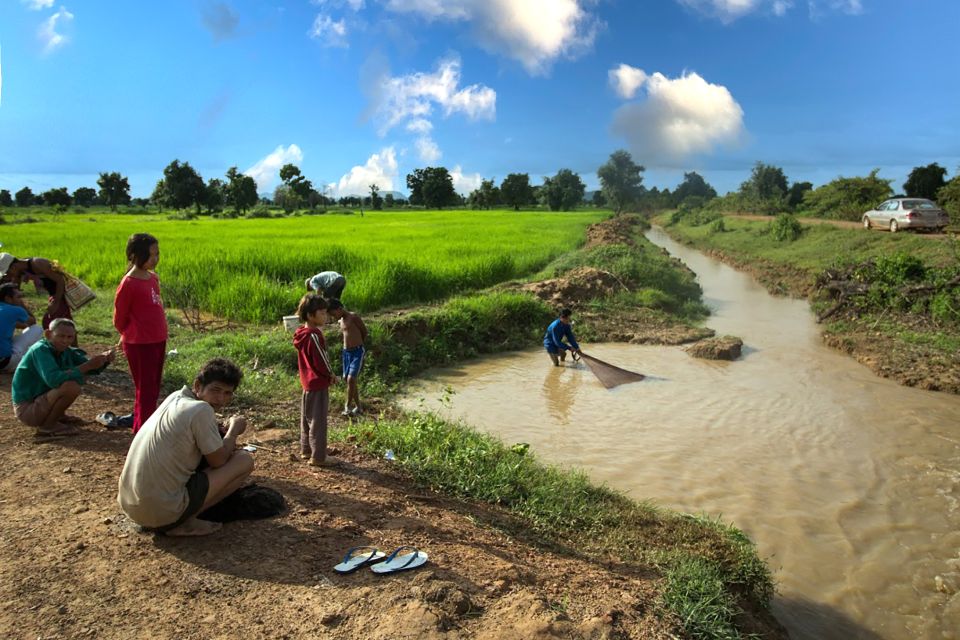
pixel 919 204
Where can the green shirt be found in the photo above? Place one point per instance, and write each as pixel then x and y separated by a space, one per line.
pixel 43 369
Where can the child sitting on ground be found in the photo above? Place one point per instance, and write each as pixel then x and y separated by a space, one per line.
pixel 354 335
pixel 316 376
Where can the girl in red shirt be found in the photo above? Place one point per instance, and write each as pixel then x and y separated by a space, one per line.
pixel 139 317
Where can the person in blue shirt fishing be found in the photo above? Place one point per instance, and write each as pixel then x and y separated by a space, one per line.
pixel 559 330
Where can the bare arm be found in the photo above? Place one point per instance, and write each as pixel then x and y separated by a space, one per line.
pixel 362 327
pixel 236 426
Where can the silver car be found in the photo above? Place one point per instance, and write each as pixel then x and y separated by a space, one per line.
pixel 907 213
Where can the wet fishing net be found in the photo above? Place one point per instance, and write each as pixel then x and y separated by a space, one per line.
pixel 609 375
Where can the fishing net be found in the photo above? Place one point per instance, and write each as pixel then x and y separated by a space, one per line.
pixel 609 375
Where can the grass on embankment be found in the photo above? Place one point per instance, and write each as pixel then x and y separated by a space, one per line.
pixel 711 573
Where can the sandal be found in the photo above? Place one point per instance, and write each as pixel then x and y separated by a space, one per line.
pixel 61 430
pixel 353 560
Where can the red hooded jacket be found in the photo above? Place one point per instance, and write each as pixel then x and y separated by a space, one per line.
pixel 315 371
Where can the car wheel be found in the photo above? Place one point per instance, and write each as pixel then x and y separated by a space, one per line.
pixel 894 227
pixel 866 222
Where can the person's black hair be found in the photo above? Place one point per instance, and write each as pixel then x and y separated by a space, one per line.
pixel 138 248
pixel 333 304
pixel 566 312
pixel 7 289
pixel 310 304
pixel 220 370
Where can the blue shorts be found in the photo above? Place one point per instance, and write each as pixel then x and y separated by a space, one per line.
pixel 353 361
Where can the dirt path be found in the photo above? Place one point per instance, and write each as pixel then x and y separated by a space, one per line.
pixel 74 567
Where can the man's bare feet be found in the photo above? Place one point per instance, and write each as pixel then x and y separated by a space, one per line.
pixel 59 430
pixel 329 461
pixel 195 527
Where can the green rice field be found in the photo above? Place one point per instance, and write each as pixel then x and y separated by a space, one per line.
pixel 252 270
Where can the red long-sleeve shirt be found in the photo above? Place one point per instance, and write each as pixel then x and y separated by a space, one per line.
pixel 138 311
pixel 312 361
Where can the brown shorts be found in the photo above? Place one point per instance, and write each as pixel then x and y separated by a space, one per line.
pixel 33 412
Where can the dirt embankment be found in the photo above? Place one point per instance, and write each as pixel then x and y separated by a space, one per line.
pixel 579 286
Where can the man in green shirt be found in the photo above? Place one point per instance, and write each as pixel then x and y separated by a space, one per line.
pixel 48 379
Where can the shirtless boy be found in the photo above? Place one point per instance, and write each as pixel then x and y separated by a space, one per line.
pixel 354 335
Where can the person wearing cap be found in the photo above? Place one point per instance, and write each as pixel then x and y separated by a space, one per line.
pixel 48 380
pixel 553 340
pixel 43 273
pixel 329 284
pixel 14 315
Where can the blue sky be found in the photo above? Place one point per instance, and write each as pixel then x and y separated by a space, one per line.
pixel 364 91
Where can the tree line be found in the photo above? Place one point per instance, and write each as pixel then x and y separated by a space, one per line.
pixel 767 190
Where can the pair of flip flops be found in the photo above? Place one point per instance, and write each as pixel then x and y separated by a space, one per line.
pixel 112 421
pixel 379 562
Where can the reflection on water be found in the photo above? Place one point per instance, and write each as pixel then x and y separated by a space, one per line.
pixel 849 483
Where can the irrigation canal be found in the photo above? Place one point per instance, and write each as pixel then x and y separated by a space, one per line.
pixel 849 483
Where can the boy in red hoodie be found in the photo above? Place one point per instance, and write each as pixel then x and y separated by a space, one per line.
pixel 316 376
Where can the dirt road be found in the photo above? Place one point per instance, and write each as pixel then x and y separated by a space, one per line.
pixel 843 224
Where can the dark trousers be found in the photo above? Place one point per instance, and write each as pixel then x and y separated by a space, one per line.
pixel 314 406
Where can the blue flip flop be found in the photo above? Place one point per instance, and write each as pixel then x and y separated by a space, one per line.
pixel 396 562
pixel 355 560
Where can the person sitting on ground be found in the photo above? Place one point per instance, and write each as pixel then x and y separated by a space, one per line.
pixel 48 379
pixel 43 273
pixel 553 339
pixel 316 376
pixel 354 335
pixel 14 315
pixel 328 284
pixel 162 486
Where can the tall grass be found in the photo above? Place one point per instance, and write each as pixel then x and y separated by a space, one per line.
pixel 253 270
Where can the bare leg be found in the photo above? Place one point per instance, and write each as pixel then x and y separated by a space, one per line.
pixel 353 392
pixel 223 481
pixel 62 397
pixel 554 359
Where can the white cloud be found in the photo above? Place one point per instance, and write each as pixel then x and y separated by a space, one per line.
pixel 851 7
pixel 414 96
pixel 37 5
pixel 329 32
pixel 266 171
pixel 51 39
pixel 428 150
pixel 534 32
pixel 464 183
pixel 626 80
pixel 355 5
pixel 680 117
pixel 420 126
pixel 730 10
pixel 380 169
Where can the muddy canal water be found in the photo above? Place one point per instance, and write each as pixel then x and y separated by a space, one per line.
pixel 849 484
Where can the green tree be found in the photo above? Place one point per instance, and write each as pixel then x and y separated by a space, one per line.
pixel 389 201
pixel 25 197
pixel 925 182
pixel 693 185
pixel 159 195
pixel 485 196
pixel 298 183
pixel 241 190
pixel 515 190
pixel 598 200
pixel 85 196
pixel 183 186
pixel 432 187
pixel 376 200
pixel 620 180
pixel 285 198
pixel 6 200
pixel 766 190
pixel 796 193
pixel 214 195
pixel 563 191
pixel 114 189
pixel 57 197
pixel 848 198
pixel 948 196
